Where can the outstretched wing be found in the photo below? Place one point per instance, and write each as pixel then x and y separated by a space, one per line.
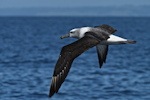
pixel 102 49
pixel 102 53
pixel 68 54
pixel 107 28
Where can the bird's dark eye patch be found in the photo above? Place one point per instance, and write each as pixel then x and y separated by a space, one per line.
pixel 71 32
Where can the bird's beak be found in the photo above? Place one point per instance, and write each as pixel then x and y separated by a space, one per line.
pixel 67 35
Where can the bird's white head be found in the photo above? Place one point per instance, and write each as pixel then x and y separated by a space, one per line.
pixel 73 33
pixel 76 33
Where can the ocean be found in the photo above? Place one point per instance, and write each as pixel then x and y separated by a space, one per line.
pixel 30 47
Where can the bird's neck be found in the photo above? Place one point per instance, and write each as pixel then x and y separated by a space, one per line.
pixel 82 31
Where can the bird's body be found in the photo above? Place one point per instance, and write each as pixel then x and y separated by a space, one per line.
pixel 99 36
pixel 112 40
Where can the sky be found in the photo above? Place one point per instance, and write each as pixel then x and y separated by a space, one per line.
pixel 69 3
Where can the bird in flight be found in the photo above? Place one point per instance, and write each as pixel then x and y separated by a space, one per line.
pixel 99 36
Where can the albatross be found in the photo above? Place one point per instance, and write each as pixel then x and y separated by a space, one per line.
pixel 88 37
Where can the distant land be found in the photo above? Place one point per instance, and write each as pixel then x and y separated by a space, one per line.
pixel 125 11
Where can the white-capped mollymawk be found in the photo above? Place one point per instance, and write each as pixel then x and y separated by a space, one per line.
pixel 99 36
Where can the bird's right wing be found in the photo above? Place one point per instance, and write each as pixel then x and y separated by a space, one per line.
pixel 68 54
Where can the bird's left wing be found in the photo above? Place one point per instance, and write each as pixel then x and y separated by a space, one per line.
pixel 102 53
pixel 102 49
pixel 68 54
pixel 106 28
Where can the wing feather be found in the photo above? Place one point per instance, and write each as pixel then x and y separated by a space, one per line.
pixel 107 28
pixel 68 54
pixel 103 49
pixel 102 53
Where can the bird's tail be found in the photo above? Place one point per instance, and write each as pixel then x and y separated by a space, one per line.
pixel 130 42
pixel 116 40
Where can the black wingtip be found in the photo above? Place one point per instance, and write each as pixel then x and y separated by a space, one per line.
pixel 100 63
pixel 100 66
pixel 52 87
pixel 51 93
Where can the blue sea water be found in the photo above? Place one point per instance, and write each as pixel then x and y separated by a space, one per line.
pixel 30 47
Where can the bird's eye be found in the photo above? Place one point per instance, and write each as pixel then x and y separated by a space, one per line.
pixel 71 32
